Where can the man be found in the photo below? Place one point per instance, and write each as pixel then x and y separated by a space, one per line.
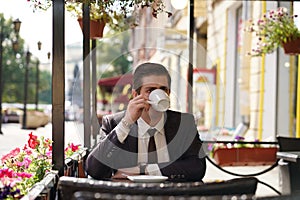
pixel 125 139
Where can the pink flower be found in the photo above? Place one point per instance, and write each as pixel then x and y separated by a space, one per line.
pixel 25 163
pixel 24 175
pixel 11 154
pixel 6 173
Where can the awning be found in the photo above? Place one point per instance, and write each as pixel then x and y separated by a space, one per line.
pixel 117 80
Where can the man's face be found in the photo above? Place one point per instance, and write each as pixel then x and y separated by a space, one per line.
pixel 151 83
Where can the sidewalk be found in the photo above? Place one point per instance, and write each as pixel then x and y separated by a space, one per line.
pixel 14 137
pixel 271 177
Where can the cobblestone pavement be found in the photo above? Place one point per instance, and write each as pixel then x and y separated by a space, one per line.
pixel 14 137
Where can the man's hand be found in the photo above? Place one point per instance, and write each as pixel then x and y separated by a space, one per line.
pixel 135 108
pixel 124 172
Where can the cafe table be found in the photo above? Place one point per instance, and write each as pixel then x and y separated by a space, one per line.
pixel 87 188
pixel 289 171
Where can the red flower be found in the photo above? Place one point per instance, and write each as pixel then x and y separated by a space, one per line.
pixel 74 147
pixel 33 141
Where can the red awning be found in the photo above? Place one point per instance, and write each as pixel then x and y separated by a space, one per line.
pixel 117 80
pixel 122 99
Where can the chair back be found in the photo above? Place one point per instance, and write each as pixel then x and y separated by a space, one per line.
pixel 67 186
pixel 288 143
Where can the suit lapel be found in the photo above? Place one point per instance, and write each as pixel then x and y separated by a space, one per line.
pixel 132 142
pixel 171 126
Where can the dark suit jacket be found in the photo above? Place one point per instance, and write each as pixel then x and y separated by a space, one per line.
pixel 187 160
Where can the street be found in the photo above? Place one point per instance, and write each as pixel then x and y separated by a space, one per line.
pixel 13 136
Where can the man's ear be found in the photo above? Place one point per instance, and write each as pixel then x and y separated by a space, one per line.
pixel 134 93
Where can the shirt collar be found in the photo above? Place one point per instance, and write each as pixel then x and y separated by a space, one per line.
pixel 143 126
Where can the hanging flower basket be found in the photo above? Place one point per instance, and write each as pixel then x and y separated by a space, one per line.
pixel 292 47
pixel 96 28
pixel 245 156
pixel 272 30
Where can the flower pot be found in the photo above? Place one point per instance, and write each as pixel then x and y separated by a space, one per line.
pixel 292 47
pixel 34 119
pixel 245 156
pixel 96 28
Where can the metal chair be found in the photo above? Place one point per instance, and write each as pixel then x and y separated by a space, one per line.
pixel 288 143
pixel 288 171
pixel 84 195
pixel 67 186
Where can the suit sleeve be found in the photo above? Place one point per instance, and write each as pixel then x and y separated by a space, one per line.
pixel 189 163
pixel 103 160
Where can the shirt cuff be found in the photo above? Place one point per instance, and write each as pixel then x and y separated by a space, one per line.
pixel 122 132
pixel 153 170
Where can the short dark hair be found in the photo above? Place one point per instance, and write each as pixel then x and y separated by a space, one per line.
pixel 148 69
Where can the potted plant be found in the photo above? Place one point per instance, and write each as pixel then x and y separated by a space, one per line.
pixel 119 15
pixel 98 19
pixel 240 154
pixel 23 167
pixel 275 29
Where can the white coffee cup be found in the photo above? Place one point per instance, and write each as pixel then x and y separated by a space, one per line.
pixel 159 100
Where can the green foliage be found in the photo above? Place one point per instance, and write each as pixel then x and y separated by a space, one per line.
pixel 45 89
pixel 119 15
pixel 114 53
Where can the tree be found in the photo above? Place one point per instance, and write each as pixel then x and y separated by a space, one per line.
pixel 114 51
pixel 13 71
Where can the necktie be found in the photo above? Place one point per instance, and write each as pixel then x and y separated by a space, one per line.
pixel 152 156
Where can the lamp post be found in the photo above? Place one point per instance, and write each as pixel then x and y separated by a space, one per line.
pixel 37 78
pixel 17 25
pixel 37 84
pixel 28 55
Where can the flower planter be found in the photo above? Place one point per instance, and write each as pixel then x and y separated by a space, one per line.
pixel 35 119
pixel 96 28
pixel 292 47
pixel 245 156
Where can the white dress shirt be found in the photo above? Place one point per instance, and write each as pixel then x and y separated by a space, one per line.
pixel 143 140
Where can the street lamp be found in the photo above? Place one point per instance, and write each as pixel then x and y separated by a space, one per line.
pixel 28 55
pixel 39 45
pixel 17 25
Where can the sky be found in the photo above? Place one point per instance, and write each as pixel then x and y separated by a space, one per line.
pixel 37 26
